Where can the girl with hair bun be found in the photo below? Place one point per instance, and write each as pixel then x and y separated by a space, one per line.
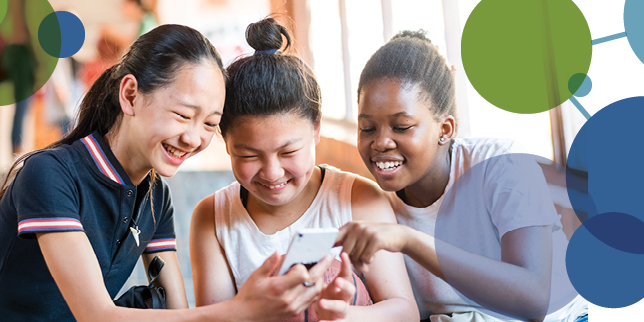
pixel 271 125
pixel 407 139
pixel 76 216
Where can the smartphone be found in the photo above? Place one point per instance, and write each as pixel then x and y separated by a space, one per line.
pixel 308 246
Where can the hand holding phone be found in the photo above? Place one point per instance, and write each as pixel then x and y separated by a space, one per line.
pixel 308 246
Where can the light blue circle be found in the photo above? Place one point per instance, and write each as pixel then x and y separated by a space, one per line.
pixel 584 88
pixel 634 26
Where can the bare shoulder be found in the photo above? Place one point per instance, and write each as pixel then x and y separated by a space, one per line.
pixel 203 214
pixel 369 202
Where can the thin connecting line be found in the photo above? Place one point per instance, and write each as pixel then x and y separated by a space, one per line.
pixel 580 108
pixel 609 38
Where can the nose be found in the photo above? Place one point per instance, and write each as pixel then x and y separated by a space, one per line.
pixel 383 143
pixel 191 137
pixel 271 170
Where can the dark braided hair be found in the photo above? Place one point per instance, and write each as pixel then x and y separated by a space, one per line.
pixel 269 82
pixel 412 58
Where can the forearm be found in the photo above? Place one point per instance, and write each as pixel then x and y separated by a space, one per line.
pixel 221 312
pixel 394 309
pixel 496 285
pixel 170 279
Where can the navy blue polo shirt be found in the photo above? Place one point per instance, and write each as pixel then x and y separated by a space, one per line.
pixel 77 187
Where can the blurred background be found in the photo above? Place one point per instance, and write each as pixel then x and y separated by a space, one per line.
pixel 336 38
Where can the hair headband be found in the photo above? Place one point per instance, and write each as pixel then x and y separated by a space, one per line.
pixel 265 52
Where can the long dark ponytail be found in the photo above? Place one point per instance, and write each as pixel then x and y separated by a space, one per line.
pixel 153 60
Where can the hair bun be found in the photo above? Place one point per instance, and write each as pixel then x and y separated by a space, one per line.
pixel 419 34
pixel 267 34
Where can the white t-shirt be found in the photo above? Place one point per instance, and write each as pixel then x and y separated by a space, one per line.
pixel 246 247
pixel 496 197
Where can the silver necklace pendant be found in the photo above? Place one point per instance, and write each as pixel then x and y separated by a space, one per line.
pixel 135 234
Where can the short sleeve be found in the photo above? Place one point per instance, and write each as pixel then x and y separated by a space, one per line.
pixel 517 194
pixel 45 196
pixel 164 238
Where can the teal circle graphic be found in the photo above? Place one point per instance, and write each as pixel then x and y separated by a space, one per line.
pixel 519 55
pixel 634 26
pixel 580 85
pixel 61 34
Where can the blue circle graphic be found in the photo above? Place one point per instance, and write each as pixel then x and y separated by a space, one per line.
pixel 604 180
pixel 65 41
pixel 604 163
pixel 634 26
pixel 602 274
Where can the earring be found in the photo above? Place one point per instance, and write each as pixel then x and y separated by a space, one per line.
pixel 442 139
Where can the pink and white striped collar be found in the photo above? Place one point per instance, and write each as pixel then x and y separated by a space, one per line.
pixel 101 160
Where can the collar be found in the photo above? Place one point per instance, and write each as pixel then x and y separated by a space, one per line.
pixel 104 159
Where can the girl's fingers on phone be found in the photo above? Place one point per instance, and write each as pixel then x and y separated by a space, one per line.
pixel 317 271
pixel 295 276
pixel 345 268
pixel 341 289
pixel 350 233
pixel 369 252
pixel 269 265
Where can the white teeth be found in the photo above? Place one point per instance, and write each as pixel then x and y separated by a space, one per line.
pixel 277 186
pixel 173 152
pixel 388 166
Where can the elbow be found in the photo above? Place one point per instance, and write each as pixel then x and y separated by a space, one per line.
pixel 534 304
pixel 409 310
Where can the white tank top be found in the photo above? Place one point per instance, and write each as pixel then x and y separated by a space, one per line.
pixel 246 247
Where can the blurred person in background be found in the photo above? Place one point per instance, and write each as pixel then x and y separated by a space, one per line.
pixel 139 11
pixel 19 65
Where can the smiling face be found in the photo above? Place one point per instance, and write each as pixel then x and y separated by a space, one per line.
pixel 398 137
pixel 273 156
pixel 173 122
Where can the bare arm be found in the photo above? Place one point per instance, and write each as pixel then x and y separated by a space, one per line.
pixel 211 275
pixel 73 265
pixel 518 285
pixel 386 276
pixel 170 279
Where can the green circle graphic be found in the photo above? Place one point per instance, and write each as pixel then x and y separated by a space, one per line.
pixel 26 63
pixel 49 35
pixel 519 55
pixel 4 5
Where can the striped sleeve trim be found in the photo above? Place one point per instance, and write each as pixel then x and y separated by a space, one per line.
pixel 49 224
pixel 161 245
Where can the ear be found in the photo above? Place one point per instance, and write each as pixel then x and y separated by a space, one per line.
pixel 447 129
pixel 128 93
pixel 316 128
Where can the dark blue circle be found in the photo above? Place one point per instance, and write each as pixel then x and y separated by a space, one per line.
pixel 605 275
pixel 72 33
pixel 604 168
